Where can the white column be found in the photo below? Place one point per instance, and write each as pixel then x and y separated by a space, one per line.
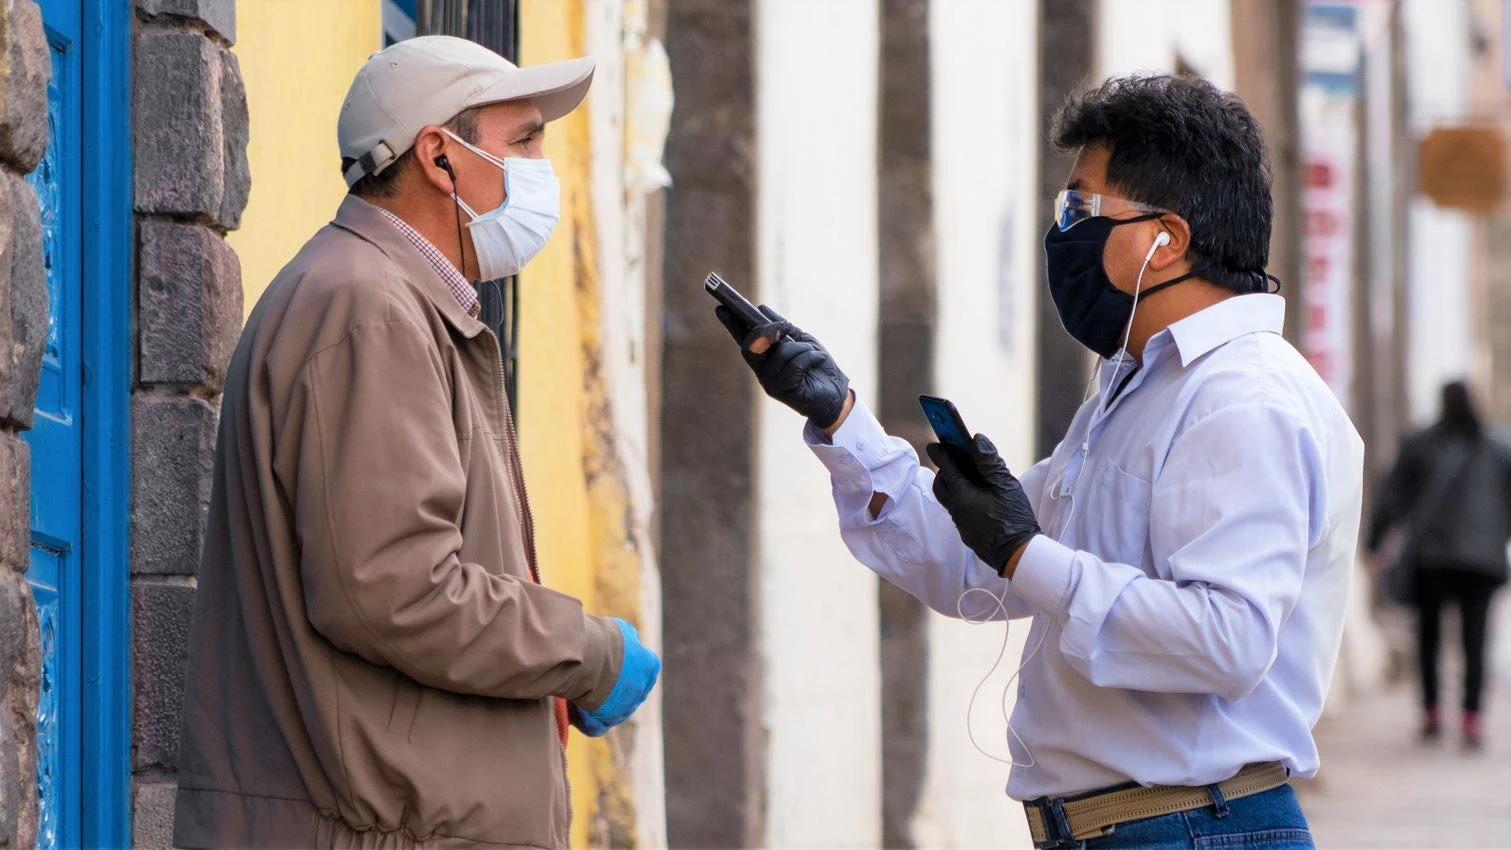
pixel 1148 36
pixel 629 109
pixel 1440 333
pixel 985 143
pixel 817 260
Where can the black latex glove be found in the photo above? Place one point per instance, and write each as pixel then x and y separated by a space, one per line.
pixel 994 518
pixel 796 370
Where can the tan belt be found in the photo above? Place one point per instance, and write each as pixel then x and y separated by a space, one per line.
pixel 1090 817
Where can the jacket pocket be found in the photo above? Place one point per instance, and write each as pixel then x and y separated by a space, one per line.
pixel 406 706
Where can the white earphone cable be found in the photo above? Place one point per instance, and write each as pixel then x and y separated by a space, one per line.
pixel 1000 601
pixel 1012 734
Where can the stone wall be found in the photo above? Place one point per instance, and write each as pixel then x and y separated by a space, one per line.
pixel 190 137
pixel 24 74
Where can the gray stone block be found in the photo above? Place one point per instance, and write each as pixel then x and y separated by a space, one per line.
pixel 23 301
pixel 188 304
pixel 178 138
pixel 219 16
pixel 18 710
pixel 152 815
pixel 15 506
pixel 23 84
pixel 13 625
pixel 10 783
pixel 236 132
pixel 173 442
pixel 160 619
pixel 26 674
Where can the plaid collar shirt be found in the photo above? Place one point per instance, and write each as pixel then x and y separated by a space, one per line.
pixel 465 292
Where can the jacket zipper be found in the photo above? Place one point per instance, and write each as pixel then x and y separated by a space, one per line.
pixel 527 525
pixel 516 471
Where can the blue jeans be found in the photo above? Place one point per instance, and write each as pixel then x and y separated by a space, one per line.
pixel 1268 821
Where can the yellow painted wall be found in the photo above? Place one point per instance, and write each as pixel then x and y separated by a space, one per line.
pixel 576 486
pixel 297 58
pixel 550 373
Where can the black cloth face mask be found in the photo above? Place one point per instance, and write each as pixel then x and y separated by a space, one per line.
pixel 1092 310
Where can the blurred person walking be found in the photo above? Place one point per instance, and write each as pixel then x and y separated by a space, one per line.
pixel 1450 493
pixel 1186 552
pixel 374 661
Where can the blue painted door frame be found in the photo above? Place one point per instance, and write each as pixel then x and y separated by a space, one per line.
pixel 57 441
pixel 79 442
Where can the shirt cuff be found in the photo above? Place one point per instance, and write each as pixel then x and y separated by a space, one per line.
pixel 859 455
pixel 1043 576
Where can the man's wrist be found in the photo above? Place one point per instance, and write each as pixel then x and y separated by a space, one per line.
pixel 1011 566
pixel 844 413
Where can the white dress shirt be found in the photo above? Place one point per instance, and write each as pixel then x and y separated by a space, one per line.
pixel 1194 569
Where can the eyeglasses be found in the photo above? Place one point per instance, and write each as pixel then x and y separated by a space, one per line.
pixel 1073 207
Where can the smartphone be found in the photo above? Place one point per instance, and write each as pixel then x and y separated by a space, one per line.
pixel 733 301
pixel 951 431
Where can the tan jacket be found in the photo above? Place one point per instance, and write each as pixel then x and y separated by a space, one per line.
pixel 371 663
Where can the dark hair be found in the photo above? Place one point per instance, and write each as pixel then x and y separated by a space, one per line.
pixel 1459 413
pixel 1182 144
pixel 386 182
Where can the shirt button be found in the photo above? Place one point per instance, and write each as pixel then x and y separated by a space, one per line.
pixel 860 444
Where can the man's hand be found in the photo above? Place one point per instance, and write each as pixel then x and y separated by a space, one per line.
pixel 637 675
pixel 994 518
pixel 792 367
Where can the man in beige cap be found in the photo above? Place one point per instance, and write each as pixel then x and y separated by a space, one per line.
pixel 374 662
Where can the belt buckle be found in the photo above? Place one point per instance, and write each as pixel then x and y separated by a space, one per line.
pixel 1057 832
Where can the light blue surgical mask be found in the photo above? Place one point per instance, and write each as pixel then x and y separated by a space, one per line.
pixel 507 238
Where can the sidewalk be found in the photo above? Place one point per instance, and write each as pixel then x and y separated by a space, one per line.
pixel 1379 788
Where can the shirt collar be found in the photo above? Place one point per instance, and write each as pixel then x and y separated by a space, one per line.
pixel 362 219
pixel 461 288
pixel 1224 322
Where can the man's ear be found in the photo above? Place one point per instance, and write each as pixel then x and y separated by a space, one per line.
pixel 430 156
pixel 1173 252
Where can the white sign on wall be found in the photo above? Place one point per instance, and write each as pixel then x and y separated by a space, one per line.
pixel 1329 144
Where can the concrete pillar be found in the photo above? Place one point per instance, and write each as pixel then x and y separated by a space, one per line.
pixel 1266 76
pixel 712 682
pixel 1066 55
pixel 905 356
pixel 1384 144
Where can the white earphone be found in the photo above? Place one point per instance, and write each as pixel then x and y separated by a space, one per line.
pixel 1160 241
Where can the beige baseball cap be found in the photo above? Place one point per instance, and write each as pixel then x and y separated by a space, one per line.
pixel 430 80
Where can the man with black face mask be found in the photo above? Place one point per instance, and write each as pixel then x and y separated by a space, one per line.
pixel 1185 554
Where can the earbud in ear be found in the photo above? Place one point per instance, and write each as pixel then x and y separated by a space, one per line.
pixel 444 164
pixel 1162 239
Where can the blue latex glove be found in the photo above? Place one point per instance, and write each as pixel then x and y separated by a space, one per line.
pixel 637 675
